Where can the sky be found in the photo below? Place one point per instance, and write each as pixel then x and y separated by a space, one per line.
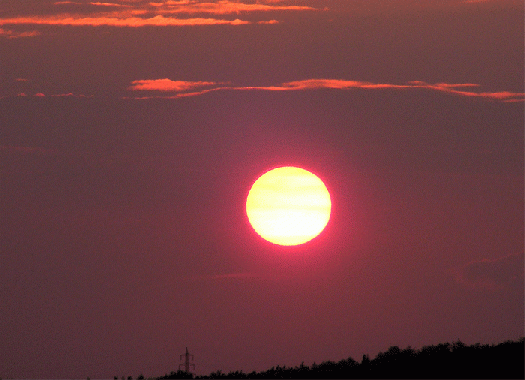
pixel 131 132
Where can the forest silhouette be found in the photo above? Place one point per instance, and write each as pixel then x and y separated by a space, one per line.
pixel 445 360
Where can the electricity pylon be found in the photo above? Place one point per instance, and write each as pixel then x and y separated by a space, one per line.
pixel 187 361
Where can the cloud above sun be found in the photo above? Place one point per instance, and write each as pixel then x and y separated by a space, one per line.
pixel 176 13
pixel 179 89
pixel 139 13
pixel 158 20
pixel 166 88
pixel 224 7
pixel 168 85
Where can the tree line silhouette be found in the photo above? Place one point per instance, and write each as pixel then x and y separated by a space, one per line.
pixel 445 360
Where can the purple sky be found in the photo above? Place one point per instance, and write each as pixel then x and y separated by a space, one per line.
pixel 131 132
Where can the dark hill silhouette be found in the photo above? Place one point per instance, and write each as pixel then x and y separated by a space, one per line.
pixel 445 360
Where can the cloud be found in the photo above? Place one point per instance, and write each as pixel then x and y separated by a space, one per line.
pixel 158 20
pixel 451 88
pixel 179 88
pixel 6 33
pixel 224 7
pixel 268 22
pixel 106 4
pixel 42 95
pixel 496 274
pixel 94 3
pixel 122 13
pixel 310 84
pixel 168 85
pixel 72 95
pixel 173 89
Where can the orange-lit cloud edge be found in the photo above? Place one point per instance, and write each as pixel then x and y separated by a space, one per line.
pixel 160 13
pixel 7 33
pixel 140 14
pixel 178 89
pixel 42 95
pixel 158 20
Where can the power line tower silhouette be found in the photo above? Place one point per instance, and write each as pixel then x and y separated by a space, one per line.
pixel 187 364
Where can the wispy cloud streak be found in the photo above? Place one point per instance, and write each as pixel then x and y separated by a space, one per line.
pixel 42 95
pixel 158 20
pixel 6 33
pixel 452 89
pixel 121 13
pixel 180 88
pixel 224 7
pixel 168 85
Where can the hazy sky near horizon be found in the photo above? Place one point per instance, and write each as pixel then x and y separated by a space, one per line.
pixel 132 130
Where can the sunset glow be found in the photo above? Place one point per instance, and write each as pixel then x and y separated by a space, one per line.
pixel 265 182
pixel 288 206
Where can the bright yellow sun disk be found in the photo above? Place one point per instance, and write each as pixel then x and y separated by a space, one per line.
pixel 288 206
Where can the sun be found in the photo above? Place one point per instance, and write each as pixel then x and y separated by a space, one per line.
pixel 288 206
